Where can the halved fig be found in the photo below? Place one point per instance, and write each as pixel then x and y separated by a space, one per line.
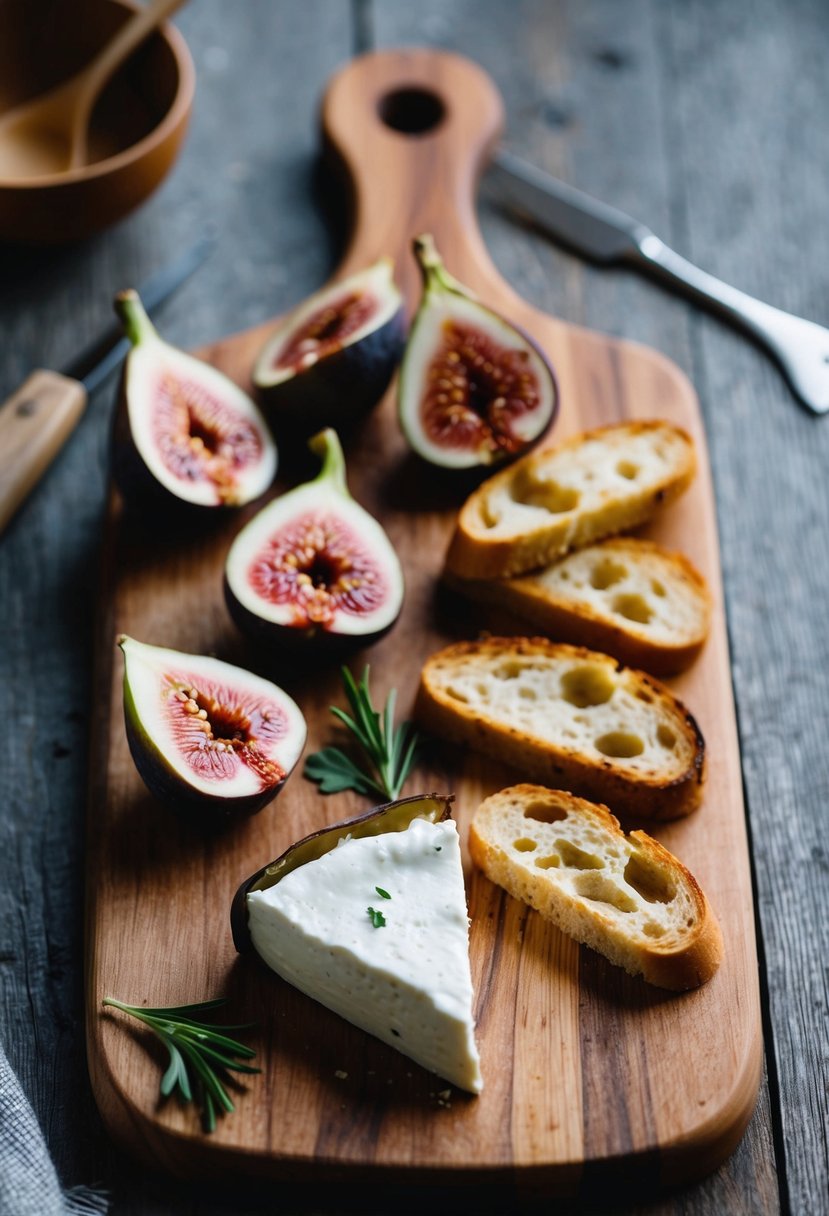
pixel 184 432
pixel 313 564
pixel 330 361
pixel 474 390
pixel 207 738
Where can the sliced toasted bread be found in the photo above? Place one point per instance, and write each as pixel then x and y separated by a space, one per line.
pixel 645 605
pixel 626 896
pixel 569 717
pixel 592 486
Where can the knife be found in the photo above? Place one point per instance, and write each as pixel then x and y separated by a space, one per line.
pixel 39 417
pixel 608 236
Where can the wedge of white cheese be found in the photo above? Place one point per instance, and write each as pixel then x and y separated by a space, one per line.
pixel 400 971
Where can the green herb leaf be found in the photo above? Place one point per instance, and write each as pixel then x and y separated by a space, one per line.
pixel 384 894
pixel 377 918
pixel 201 1055
pixel 388 752
pixel 335 772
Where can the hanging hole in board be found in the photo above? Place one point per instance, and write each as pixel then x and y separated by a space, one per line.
pixel 412 111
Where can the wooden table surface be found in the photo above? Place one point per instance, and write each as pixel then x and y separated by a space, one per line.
pixel 704 120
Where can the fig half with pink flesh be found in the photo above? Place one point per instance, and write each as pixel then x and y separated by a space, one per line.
pixel 330 361
pixel 474 391
pixel 185 433
pixel 207 738
pixel 313 565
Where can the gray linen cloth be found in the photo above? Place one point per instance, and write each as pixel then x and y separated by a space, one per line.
pixel 28 1183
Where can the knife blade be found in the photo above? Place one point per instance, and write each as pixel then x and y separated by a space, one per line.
pixel 37 420
pixel 591 228
pixel 605 235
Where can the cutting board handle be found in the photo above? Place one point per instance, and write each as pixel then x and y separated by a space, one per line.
pixel 413 130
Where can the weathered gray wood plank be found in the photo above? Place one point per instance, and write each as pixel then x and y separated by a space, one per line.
pixel 248 167
pixel 756 179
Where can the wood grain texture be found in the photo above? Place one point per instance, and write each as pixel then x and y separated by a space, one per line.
pixel 684 1070
pixel 35 422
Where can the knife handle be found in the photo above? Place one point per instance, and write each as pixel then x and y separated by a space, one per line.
pixel 801 347
pixel 35 423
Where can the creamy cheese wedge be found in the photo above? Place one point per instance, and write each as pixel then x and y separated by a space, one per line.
pixel 401 971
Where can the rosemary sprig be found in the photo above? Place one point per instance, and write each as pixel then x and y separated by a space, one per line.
pixel 200 1054
pixel 388 751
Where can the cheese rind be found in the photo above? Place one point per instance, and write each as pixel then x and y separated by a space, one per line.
pixel 407 982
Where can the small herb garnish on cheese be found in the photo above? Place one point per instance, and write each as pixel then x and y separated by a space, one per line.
pixel 383 893
pixel 377 918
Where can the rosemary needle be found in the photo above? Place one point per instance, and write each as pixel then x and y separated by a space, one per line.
pixel 388 751
pixel 200 1054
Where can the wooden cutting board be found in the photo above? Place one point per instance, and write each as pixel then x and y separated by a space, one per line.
pixel 588 1073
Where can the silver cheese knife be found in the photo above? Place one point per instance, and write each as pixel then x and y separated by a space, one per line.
pixel 606 235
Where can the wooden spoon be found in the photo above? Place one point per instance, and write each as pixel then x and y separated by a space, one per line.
pixel 48 134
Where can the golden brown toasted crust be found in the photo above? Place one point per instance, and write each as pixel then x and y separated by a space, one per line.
pixel 478 551
pixel 565 619
pixel 688 948
pixel 661 792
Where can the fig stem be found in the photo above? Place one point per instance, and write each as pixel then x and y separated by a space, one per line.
pixel 435 275
pixel 137 325
pixel 327 446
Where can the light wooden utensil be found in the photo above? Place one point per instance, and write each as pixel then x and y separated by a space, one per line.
pixel 49 133
pixel 588 1073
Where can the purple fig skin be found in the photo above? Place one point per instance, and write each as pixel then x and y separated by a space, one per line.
pixel 478 472
pixel 135 476
pixel 437 280
pixel 203 810
pixel 325 645
pixel 142 493
pixel 402 811
pixel 341 389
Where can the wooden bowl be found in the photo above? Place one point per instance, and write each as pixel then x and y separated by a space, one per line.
pixel 136 129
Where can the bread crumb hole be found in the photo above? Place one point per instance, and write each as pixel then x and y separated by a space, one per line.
pixel 620 744
pixel 588 684
pixel 524 845
pixel 657 588
pixel 508 671
pixel 528 694
pixel 577 858
pixel 488 517
pixel 602 890
pixel 665 736
pixel 633 608
pixel 555 498
pixel 649 881
pixel 545 812
pixel 605 573
pixel 548 863
pixel 652 929
pixel 627 469
pixel 457 696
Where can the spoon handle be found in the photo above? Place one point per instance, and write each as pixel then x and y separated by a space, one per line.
pixel 109 58
pixel 35 423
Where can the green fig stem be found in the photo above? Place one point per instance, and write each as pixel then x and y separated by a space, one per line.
pixel 435 275
pixel 327 446
pixel 132 315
